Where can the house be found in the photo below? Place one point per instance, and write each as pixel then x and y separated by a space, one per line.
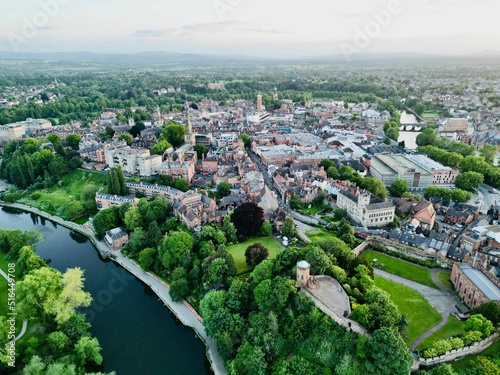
pixel 364 208
pixel 473 285
pixel 116 238
pixel 462 214
pixel 424 212
pixel 108 200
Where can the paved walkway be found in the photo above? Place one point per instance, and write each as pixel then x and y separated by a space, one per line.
pixel 444 302
pixel 186 315
pixel 25 322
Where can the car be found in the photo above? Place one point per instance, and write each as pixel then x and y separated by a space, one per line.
pixel 492 191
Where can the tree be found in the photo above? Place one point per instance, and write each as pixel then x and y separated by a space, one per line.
pixel 229 229
pixel 133 219
pixel 105 220
pixel 116 181
pixel 245 138
pixel 266 229
pixel 175 249
pixel 490 310
pixel 160 147
pixel 288 229
pixel 217 273
pixel 255 254
pixel 147 258
pixel 223 189
pixel 469 181
pixel 88 198
pixel 427 137
pixel 88 350
pixel 127 138
pixel 318 260
pixel 398 187
pixel 174 133
pixel 54 139
pixel 71 297
pixel 387 354
pixel 248 218
pixel 489 152
pixel 376 187
pixel 479 323
pixel 181 184
pixel 272 295
pixel 74 141
pixel 28 261
pixel 249 361
pixel 294 202
pixel 201 151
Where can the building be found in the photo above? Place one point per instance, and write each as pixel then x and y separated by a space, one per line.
pixel 108 200
pixel 133 161
pixel 423 212
pixel 204 139
pixel 259 103
pixel 17 130
pixel 178 169
pixel 462 214
pixel 388 168
pixel 365 208
pixel 194 209
pixel 116 238
pixel 442 175
pixel 473 285
pixel 153 191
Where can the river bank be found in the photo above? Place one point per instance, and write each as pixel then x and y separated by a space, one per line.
pixel 183 311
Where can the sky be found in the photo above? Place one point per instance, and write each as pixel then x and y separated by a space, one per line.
pixel 264 28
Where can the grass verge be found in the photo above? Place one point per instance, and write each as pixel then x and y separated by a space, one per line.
pixel 420 313
pixel 454 327
pixel 400 268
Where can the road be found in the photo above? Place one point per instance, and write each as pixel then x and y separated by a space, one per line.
pixel 486 198
pixel 268 181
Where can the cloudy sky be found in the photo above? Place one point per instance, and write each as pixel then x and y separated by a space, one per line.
pixel 269 28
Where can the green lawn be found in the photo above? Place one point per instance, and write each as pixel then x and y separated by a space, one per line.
pixel 311 211
pixel 400 268
pixel 464 363
pixel 444 278
pixel 420 313
pixel 57 199
pixel 454 327
pixel 238 251
pixel 429 114
pixel 320 234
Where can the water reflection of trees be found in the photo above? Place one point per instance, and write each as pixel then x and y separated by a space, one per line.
pixel 77 237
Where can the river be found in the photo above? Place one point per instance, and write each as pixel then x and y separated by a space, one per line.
pixel 137 333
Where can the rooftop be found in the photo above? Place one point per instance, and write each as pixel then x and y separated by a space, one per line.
pixel 485 285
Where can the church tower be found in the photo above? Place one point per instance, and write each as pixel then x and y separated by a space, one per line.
pixel 189 136
pixel 275 95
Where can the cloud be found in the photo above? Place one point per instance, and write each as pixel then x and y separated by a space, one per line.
pixel 205 28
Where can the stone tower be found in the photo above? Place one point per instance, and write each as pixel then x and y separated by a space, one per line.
pixel 303 273
pixel 275 94
pixel 188 136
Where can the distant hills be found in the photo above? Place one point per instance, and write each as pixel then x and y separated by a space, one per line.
pixel 168 58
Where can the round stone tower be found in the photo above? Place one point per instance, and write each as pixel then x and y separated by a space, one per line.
pixel 303 272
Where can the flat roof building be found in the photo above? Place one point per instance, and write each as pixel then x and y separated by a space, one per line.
pixel 388 168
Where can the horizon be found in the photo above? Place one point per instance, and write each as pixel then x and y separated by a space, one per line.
pixel 256 29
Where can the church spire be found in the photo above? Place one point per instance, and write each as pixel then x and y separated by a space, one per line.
pixel 188 136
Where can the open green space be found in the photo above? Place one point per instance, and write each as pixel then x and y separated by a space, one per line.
pixel 429 114
pixel 59 198
pixel 320 234
pixel 400 268
pixel 238 251
pixel 311 211
pixel 444 278
pixel 464 363
pixel 420 313
pixel 454 327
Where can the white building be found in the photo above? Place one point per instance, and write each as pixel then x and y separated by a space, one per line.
pixel 29 127
pixel 365 208
pixel 133 161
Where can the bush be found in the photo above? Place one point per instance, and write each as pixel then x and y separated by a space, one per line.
pixel 36 195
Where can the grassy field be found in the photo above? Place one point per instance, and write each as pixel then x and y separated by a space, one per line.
pixel 429 114
pixel 444 278
pixel 56 199
pixel 420 313
pixel 311 211
pixel 400 268
pixel 454 327
pixel 238 251
pixel 464 363
pixel 320 234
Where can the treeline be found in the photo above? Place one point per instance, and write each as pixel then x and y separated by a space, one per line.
pixel 46 298
pixel 26 165
pixel 459 155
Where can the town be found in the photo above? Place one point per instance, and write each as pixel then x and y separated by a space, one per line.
pixel 355 186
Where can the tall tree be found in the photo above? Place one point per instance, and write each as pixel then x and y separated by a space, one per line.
pixel 248 218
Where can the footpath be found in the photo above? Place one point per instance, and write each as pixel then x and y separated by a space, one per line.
pixel 183 311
